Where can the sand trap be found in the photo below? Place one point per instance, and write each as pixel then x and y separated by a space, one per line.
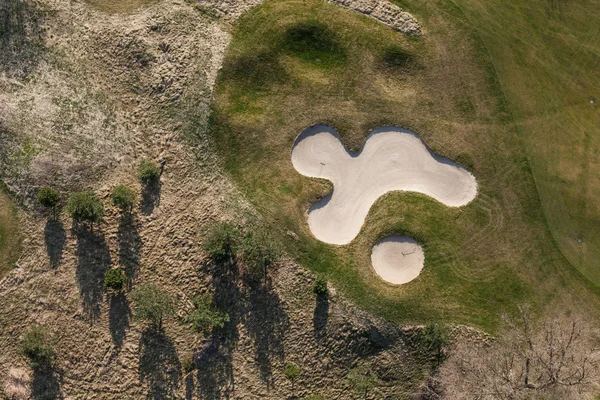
pixel 391 159
pixel 397 259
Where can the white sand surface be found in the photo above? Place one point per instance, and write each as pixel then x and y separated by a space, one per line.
pixel 391 159
pixel 397 259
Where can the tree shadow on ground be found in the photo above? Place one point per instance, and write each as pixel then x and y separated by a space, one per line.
pixel 266 322
pixel 215 369
pixel 130 247
pixel 214 358
pixel 320 317
pixel 45 384
pixel 150 197
pixel 22 37
pixel 118 318
pixel 159 365
pixel 93 262
pixel 55 237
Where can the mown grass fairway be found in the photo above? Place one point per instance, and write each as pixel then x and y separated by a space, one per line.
pixel 547 55
pixel 9 233
pixel 292 64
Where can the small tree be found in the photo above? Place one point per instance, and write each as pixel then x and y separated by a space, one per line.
pixel 49 198
pixel 38 346
pixel 205 317
pixel 148 171
pixel 435 339
pixel 124 198
pixel 291 372
pixel 114 280
pixel 363 379
pixel 152 304
pixel 258 255
pixel 320 287
pixel 86 207
pixel 221 242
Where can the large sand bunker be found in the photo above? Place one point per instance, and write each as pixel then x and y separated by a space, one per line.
pixel 391 159
pixel 397 259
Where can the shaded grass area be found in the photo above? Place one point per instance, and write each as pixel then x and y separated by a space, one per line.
pixel 10 240
pixel 306 62
pixel 547 56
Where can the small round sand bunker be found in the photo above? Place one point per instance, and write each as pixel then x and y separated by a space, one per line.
pixel 397 259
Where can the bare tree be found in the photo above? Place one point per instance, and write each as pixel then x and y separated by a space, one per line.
pixel 554 358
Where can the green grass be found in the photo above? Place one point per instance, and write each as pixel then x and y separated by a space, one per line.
pixel 9 233
pixel 547 56
pixel 295 63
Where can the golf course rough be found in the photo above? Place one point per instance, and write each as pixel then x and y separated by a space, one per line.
pixel 392 159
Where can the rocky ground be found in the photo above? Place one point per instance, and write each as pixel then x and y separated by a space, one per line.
pixel 83 97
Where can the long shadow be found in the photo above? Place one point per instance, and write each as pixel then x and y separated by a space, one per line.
pixel 267 323
pixel 22 37
pixel 92 263
pixel 150 197
pixel 215 370
pixel 130 247
pixel 45 384
pixel 320 317
pixel 118 318
pixel 214 359
pixel 55 237
pixel 159 364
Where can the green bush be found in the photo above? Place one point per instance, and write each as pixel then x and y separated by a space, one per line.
pixel 221 242
pixel 85 207
pixel 363 379
pixel 148 171
pixel 291 372
pixel 188 364
pixel 205 317
pixel 115 280
pixel 152 304
pixel 49 198
pixel 314 397
pixel 320 287
pixel 258 254
pixel 434 339
pixel 123 197
pixel 38 346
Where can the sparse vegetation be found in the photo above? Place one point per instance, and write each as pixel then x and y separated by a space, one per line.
pixel 435 339
pixel 258 254
pixel 124 198
pixel 38 346
pixel 49 198
pixel 152 304
pixel 148 171
pixel 206 317
pixel 86 207
pixel 115 280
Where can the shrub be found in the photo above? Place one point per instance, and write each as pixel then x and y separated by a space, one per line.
pixel 435 338
pixel 115 280
pixel 291 372
pixel 315 397
pixel 38 346
pixel 49 198
pixel 148 171
pixel 221 241
pixel 188 364
pixel 320 287
pixel 151 304
pixel 396 58
pixel 123 197
pixel 206 317
pixel 85 207
pixel 362 379
pixel 258 254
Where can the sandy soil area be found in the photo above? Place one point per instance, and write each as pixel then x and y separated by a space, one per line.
pixel 392 159
pixel 397 259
